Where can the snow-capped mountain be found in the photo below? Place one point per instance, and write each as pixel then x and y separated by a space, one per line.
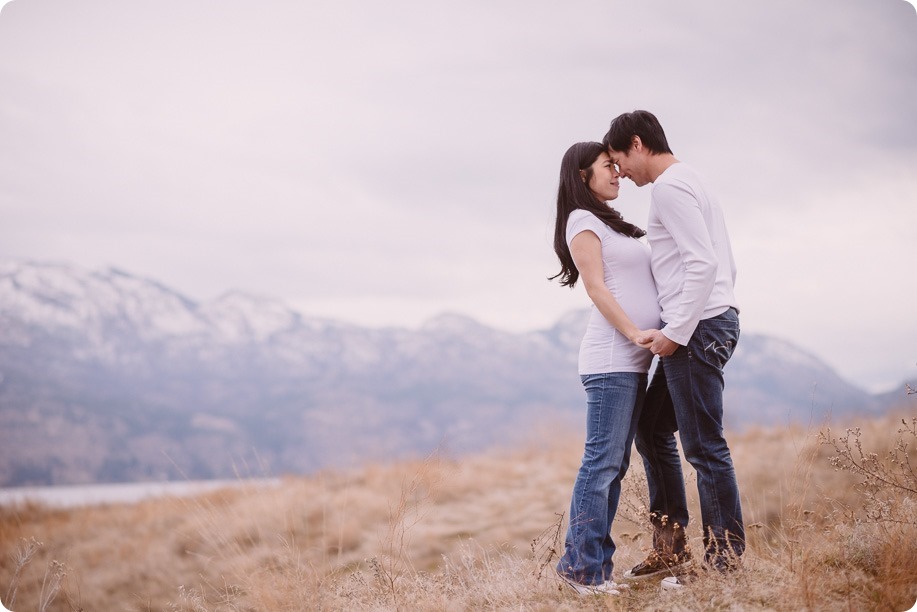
pixel 105 376
pixel 65 298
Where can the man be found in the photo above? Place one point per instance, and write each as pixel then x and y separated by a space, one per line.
pixel 694 271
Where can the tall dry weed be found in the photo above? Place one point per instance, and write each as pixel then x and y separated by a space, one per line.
pixel 888 481
pixel 394 562
pixel 21 558
pixel 51 579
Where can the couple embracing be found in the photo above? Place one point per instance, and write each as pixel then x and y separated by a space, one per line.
pixel 673 299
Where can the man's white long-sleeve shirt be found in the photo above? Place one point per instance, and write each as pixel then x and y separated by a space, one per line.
pixel 692 258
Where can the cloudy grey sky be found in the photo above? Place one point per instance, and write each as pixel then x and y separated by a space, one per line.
pixel 384 162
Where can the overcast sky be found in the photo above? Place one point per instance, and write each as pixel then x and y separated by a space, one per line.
pixel 381 163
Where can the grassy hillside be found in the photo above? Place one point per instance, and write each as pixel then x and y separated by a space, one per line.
pixel 480 533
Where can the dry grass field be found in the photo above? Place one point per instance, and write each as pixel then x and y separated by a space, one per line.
pixel 831 526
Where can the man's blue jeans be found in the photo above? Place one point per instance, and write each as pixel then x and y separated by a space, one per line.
pixel 686 395
pixel 613 406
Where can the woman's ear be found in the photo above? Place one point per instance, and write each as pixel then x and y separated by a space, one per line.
pixel 582 175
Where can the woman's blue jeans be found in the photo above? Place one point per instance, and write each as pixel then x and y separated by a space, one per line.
pixel 613 403
pixel 686 395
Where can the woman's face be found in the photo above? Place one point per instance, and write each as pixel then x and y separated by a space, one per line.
pixel 604 181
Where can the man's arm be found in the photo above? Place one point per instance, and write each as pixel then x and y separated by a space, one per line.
pixel 678 210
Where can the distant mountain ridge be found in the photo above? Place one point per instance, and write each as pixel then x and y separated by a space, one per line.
pixel 106 377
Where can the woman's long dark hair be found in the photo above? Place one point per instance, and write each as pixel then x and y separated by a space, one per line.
pixel 574 193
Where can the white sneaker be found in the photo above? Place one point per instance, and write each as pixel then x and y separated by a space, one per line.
pixel 605 588
pixel 616 585
pixel 672 584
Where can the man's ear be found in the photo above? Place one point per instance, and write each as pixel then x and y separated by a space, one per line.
pixel 636 143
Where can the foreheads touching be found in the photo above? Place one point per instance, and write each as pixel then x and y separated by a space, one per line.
pixel 639 128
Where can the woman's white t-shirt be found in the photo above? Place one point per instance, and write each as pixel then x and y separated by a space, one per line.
pixel 628 276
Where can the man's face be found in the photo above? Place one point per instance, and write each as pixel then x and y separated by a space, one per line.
pixel 631 164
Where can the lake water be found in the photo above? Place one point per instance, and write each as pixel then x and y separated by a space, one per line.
pixel 119 493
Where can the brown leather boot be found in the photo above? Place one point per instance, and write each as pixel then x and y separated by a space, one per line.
pixel 670 555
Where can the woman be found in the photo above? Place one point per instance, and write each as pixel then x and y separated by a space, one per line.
pixel 594 243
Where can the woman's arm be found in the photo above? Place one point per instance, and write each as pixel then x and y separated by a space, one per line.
pixel 586 249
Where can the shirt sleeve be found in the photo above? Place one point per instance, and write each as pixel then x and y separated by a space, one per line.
pixel 580 221
pixel 679 211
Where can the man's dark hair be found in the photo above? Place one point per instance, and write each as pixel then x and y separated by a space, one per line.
pixel 638 123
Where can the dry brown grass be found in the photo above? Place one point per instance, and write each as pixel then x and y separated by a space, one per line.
pixel 479 533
